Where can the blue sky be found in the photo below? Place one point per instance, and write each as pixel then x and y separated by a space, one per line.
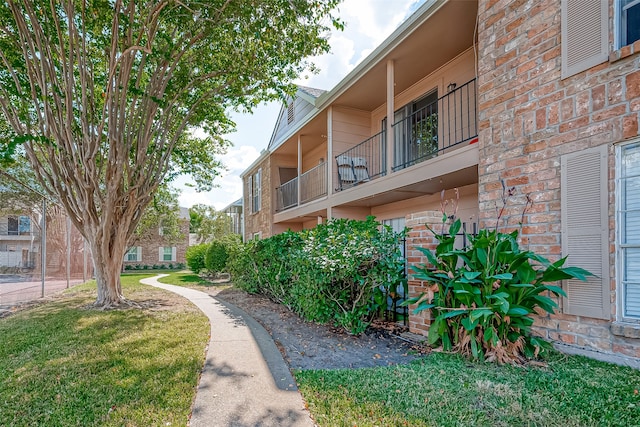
pixel 367 24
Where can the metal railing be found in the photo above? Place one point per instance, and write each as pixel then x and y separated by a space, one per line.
pixel 313 183
pixel 363 162
pixel 447 122
pixel 287 195
pixel 5 230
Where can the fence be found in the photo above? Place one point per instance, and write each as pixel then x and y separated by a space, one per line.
pixel 40 253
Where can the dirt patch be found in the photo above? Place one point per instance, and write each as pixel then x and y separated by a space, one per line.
pixel 306 345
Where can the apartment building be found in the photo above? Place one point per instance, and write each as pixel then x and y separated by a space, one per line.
pixel 465 96
pixel 154 248
pixel 19 242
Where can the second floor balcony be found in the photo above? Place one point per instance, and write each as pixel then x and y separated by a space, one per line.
pixel 436 127
pixel 309 186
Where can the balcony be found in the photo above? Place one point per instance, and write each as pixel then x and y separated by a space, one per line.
pixel 364 162
pixel 432 130
pixel 449 121
pixel 313 185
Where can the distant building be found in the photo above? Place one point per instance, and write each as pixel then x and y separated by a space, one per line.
pixel 153 248
pixel 234 211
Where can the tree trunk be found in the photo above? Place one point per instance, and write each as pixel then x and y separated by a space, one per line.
pixel 107 259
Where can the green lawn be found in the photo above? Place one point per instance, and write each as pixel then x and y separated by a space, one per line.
pixel 446 390
pixel 187 279
pixel 64 364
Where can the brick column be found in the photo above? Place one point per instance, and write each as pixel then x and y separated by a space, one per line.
pixel 420 236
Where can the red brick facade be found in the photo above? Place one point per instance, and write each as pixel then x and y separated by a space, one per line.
pixel 151 243
pixel 529 117
pixel 257 223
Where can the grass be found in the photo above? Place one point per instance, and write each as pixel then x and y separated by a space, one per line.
pixel 191 280
pixel 63 363
pixel 446 390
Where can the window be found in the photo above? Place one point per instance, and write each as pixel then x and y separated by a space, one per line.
pixel 167 253
pixel 24 225
pixel 628 18
pixel 629 229
pixel 12 226
pixel 255 185
pixel 134 254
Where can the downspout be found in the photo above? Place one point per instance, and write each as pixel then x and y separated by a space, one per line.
pixel 390 116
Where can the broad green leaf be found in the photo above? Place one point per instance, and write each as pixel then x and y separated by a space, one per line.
pixel 502 276
pixel 453 313
pixel 518 311
pixel 555 289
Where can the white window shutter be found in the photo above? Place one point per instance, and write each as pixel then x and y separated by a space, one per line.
pixel 173 253
pixel 585 231
pixel 139 254
pixel 160 254
pixel 585 35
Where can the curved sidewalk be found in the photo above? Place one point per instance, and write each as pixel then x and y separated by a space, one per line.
pixel 244 382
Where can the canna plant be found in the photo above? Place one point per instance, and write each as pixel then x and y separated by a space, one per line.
pixel 483 298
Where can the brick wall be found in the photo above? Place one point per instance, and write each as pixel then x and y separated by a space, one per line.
pixel 258 222
pixel 419 236
pixel 529 117
pixel 152 241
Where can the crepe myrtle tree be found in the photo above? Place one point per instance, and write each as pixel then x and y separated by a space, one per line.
pixel 105 95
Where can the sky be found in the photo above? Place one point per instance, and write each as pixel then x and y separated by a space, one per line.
pixel 367 24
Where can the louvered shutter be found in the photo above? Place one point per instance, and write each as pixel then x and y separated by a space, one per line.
pixel 585 231
pixel 173 253
pixel 160 254
pixel 585 35
pixel 139 253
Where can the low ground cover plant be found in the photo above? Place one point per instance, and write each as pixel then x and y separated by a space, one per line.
pixel 340 272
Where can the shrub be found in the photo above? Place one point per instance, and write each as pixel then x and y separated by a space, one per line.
pixel 340 272
pixel 346 270
pixel 483 297
pixel 216 256
pixel 195 257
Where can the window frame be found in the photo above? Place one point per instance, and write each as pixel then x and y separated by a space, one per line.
pixel 256 191
pixel 171 254
pixel 620 22
pixel 133 250
pixel 620 226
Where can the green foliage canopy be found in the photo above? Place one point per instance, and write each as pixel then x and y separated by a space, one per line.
pixel 106 96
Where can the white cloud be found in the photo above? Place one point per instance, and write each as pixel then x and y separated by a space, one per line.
pixel 229 184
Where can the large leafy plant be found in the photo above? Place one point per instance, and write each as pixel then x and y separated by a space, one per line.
pixel 483 297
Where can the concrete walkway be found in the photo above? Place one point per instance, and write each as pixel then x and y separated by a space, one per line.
pixel 245 382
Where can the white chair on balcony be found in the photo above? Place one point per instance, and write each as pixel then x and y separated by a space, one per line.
pixel 360 169
pixel 346 174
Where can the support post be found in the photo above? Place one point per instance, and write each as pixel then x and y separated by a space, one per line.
pixel 43 245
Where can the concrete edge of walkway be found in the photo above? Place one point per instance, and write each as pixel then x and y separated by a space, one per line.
pixel 279 368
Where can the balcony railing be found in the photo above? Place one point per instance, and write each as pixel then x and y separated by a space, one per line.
pixel 313 183
pixel 362 163
pixel 287 195
pixel 9 231
pixel 447 122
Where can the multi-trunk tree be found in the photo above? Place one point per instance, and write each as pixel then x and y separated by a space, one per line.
pixel 105 96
